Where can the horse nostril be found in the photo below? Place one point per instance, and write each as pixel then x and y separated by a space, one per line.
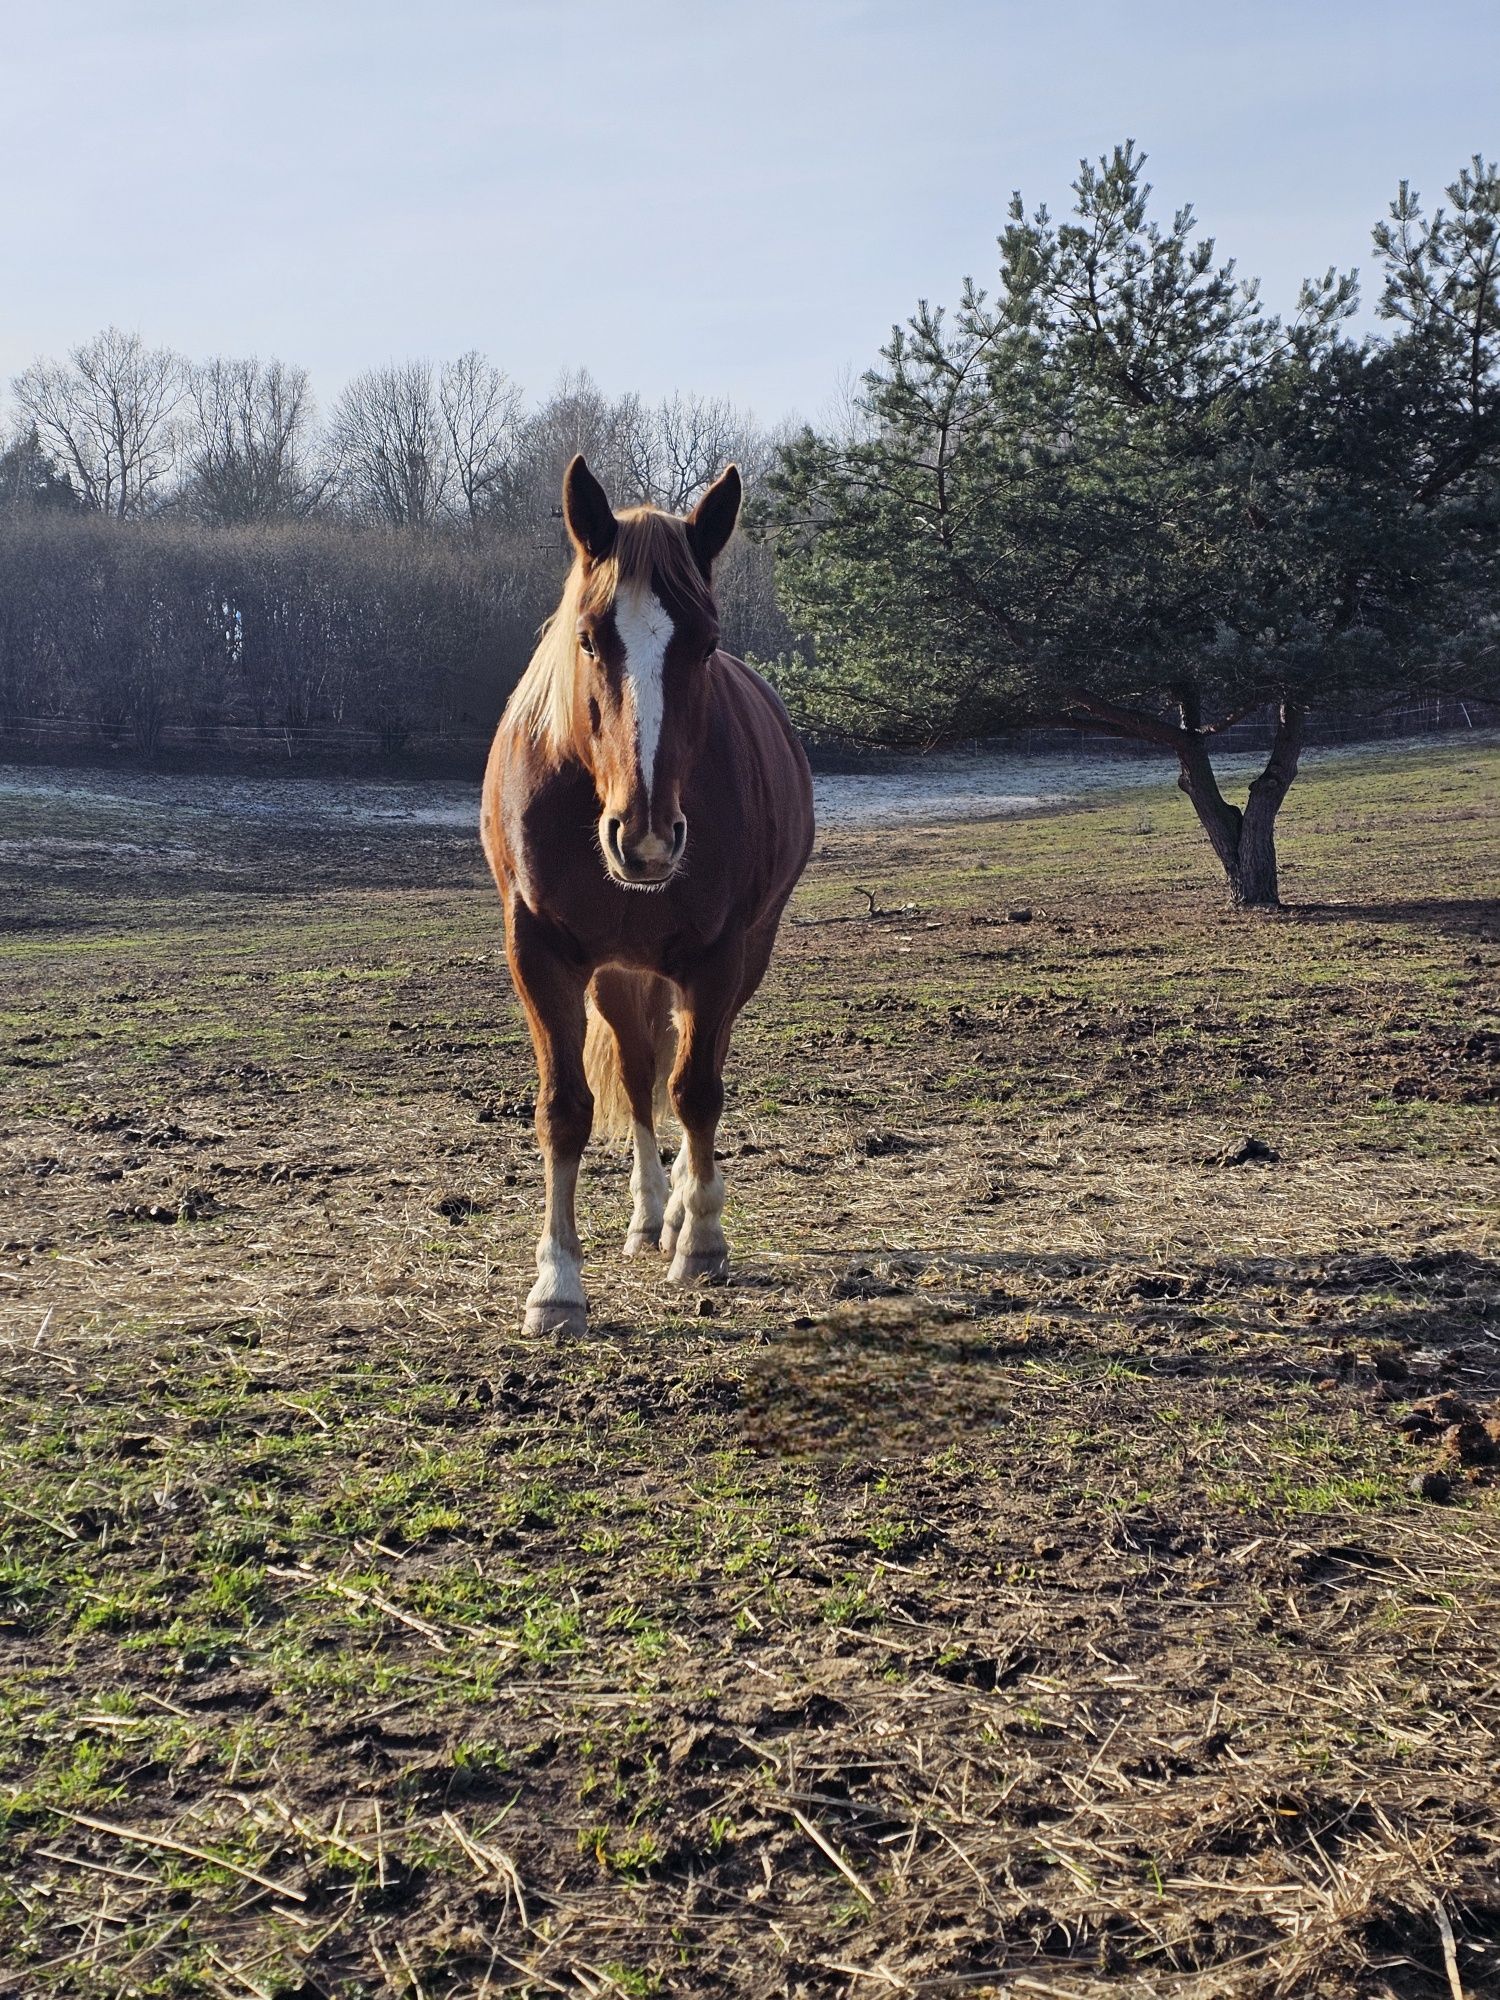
pixel 679 837
pixel 612 831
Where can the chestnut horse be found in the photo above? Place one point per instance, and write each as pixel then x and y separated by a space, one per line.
pixel 647 812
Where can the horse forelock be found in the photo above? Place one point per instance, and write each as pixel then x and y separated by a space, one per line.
pixel 652 556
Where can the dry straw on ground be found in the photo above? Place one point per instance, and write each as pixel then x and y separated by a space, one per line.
pixel 1010 1583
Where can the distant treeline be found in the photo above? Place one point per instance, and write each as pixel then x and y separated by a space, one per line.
pixel 187 555
pixel 1114 493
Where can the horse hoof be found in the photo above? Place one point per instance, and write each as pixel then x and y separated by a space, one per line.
pixel 643 1243
pixel 557 1317
pixel 695 1267
pixel 668 1244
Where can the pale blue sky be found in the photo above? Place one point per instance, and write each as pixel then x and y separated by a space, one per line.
pixel 734 199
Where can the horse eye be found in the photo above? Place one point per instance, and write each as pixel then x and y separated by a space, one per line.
pixel 587 644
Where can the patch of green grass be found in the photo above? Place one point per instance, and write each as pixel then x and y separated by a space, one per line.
pixel 293 1514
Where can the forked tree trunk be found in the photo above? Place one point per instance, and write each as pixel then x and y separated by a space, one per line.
pixel 1245 841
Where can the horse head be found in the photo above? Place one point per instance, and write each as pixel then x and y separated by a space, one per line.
pixel 644 633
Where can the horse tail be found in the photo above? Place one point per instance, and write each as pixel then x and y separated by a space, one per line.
pixel 606 1074
pixel 633 1008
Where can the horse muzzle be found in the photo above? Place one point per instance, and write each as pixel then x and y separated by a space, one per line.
pixel 645 862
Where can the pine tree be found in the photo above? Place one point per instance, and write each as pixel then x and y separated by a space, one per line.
pixel 1122 495
pixel 30 481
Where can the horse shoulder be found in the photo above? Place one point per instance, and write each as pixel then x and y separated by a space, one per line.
pixel 770 739
pixel 765 769
pixel 535 803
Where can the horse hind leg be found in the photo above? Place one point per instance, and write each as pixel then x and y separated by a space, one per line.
pixel 676 1213
pixel 630 1044
pixel 694 1231
pixel 694 1215
pixel 649 1191
pixel 695 1228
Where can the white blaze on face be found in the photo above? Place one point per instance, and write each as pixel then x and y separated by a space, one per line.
pixel 645 629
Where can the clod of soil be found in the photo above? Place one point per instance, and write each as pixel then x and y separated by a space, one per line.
pixel 1249 1150
pixel 458 1208
pixel 1469 1443
pixel 1438 1417
pixel 1431 1485
pixel 881 1145
pixel 519 1107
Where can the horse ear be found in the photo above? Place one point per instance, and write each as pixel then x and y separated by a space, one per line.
pixel 586 510
pixel 711 522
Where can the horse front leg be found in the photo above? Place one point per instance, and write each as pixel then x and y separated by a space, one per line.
pixel 552 993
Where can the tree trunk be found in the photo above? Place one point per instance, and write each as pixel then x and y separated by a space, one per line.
pixel 1245 842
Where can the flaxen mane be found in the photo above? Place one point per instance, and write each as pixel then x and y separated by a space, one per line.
pixel 651 551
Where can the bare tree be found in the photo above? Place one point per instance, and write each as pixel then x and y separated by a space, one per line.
pixel 481 412
pixel 244 605
pixel 249 433
pixel 577 416
pixel 109 416
pixel 675 449
pixel 390 447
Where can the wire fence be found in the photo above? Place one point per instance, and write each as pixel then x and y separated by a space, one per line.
pixel 41 737
pixel 327 742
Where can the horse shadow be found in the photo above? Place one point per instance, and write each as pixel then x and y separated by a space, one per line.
pixel 1453 916
pixel 916 1350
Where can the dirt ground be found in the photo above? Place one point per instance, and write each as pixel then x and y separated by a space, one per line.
pixel 1064 1560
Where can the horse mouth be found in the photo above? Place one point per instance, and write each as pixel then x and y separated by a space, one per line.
pixel 628 876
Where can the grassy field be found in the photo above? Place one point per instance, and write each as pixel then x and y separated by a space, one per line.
pixel 1065 1560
